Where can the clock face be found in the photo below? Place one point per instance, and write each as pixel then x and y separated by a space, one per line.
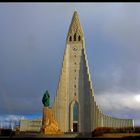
pixel 74 48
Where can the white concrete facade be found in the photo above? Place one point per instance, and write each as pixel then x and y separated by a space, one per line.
pixel 75 86
pixel 30 125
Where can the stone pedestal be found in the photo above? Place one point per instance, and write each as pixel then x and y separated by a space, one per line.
pixel 49 124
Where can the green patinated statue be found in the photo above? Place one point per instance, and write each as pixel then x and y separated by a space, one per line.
pixel 46 99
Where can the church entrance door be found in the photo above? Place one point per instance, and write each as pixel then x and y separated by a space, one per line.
pixel 75 126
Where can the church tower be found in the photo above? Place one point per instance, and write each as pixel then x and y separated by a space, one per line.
pixel 74 105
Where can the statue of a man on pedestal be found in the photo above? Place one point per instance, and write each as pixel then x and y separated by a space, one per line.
pixel 46 99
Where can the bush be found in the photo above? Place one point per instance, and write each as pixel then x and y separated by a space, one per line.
pixel 6 132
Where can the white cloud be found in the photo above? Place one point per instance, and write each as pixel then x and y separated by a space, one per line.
pixel 11 117
pixel 125 103
pixel 9 121
pixel 32 32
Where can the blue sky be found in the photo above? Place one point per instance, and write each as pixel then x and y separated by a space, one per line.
pixel 32 43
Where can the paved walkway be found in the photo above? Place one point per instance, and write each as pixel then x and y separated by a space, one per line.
pixel 35 135
pixel 38 135
pixel 62 136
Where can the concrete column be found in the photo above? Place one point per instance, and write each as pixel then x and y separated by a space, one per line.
pixel 119 123
pixel 130 123
pixel 102 123
pixel 114 122
pixel 109 121
pixel 94 114
pixel 104 120
pixel 100 118
pixel 122 123
pixel 133 124
pixel 125 124
pixel 96 121
pixel 92 117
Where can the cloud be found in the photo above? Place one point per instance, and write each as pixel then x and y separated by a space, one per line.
pixel 14 117
pixel 121 104
pixel 32 42
pixel 11 117
pixel 9 121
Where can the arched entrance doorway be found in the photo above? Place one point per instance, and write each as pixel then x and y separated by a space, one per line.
pixel 74 116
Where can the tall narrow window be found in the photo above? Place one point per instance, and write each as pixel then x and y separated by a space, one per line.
pixel 75 37
pixel 75 117
pixel 79 38
pixel 70 38
pixel 75 111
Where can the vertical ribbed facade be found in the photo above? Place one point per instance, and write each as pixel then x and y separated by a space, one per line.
pixel 75 86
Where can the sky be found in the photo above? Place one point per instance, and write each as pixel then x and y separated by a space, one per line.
pixel 32 43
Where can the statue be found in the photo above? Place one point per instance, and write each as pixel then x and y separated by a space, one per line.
pixel 46 99
pixel 49 124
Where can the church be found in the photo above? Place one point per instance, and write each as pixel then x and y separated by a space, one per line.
pixel 75 108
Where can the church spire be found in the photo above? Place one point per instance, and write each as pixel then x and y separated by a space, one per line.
pixel 75 29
